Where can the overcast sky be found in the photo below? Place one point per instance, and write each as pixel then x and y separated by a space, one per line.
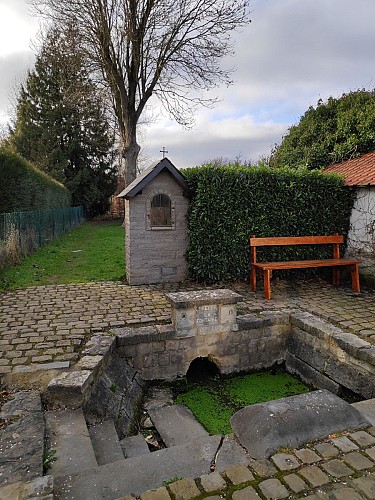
pixel 292 54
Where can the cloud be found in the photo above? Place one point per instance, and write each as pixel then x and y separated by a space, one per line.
pixel 292 54
pixel 225 137
pixel 13 70
pixel 17 27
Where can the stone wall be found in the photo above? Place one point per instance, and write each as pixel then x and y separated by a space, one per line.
pixel 156 255
pixel 322 355
pixel 205 326
pixel 160 353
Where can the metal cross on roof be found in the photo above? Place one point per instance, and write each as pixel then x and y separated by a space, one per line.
pixel 163 151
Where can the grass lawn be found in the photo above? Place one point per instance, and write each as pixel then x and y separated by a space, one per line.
pixel 93 251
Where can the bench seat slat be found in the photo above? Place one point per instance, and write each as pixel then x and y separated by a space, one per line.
pixel 304 264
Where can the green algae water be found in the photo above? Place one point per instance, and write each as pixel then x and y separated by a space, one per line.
pixel 213 401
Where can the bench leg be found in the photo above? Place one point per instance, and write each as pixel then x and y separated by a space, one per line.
pixel 267 284
pixel 355 278
pixel 253 278
pixel 336 276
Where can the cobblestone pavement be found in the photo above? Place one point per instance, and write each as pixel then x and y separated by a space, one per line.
pixel 341 467
pixel 47 326
pixel 44 326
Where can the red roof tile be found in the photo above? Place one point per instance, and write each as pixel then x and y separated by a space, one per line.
pixel 357 172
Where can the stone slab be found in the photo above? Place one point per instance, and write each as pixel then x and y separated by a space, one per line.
pixel 40 487
pixel 105 441
pixel 367 408
pixel 68 435
pixel 134 446
pixel 309 375
pixel 196 298
pixel 22 440
pixel 176 425
pixel 138 474
pixel 292 421
pixel 231 453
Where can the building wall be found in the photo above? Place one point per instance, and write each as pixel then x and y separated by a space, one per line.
pixel 361 237
pixel 156 255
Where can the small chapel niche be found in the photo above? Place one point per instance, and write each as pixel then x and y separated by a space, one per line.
pixel 161 211
pixel 157 200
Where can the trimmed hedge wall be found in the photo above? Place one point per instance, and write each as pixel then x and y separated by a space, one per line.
pixel 231 203
pixel 23 187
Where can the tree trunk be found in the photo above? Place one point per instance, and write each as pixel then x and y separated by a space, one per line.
pixel 130 153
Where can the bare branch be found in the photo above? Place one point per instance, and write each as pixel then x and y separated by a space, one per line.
pixel 167 48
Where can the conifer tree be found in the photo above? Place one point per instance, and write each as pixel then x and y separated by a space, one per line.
pixel 61 123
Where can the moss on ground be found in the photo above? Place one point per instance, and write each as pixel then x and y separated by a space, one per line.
pixel 215 400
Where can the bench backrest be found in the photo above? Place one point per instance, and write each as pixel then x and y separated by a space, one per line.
pixel 296 240
pixel 335 239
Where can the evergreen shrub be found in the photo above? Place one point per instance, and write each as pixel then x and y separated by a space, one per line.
pixel 231 203
pixel 23 187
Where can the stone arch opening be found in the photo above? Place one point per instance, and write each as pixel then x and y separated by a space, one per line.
pixel 202 368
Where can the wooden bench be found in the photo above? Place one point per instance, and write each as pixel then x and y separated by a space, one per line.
pixel 266 268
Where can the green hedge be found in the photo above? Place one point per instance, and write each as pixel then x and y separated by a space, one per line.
pixel 23 187
pixel 231 203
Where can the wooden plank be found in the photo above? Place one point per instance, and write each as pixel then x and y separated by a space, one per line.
pixel 296 240
pixel 303 264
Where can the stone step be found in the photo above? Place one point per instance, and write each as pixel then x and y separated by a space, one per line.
pixel 367 408
pixel 176 425
pixel 67 433
pixel 134 446
pixel 105 441
pixel 138 474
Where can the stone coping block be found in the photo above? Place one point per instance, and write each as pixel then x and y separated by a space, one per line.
pixel 144 334
pixel 289 422
pixel 251 321
pixel 186 300
pixel 91 363
pixel 348 342
pixel 70 388
pixel 99 345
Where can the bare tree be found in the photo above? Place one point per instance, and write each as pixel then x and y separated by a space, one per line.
pixel 167 48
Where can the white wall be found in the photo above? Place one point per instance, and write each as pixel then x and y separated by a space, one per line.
pixel 361 237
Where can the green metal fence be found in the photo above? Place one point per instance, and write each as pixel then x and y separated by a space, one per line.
pixel 36 227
